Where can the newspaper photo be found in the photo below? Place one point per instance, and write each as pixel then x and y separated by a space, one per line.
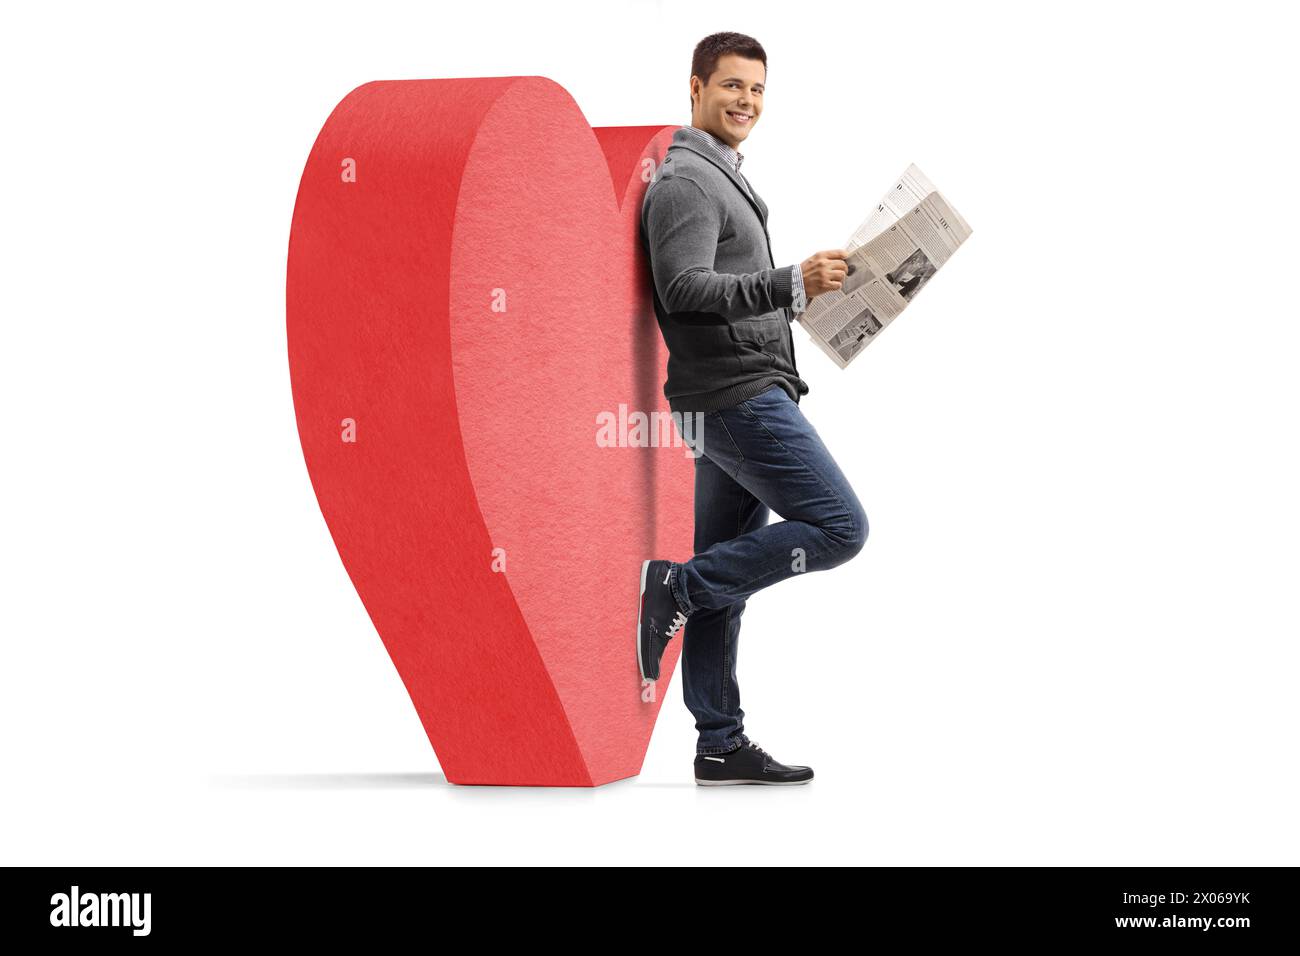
pixel 910 234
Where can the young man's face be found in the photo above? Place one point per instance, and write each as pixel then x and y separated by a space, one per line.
pixel 729 105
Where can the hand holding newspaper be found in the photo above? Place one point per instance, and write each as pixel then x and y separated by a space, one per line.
pixel 910 234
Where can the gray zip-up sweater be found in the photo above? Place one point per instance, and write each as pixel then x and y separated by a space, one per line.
pixel 723 307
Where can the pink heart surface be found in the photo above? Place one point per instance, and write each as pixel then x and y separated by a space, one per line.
pixel 424 208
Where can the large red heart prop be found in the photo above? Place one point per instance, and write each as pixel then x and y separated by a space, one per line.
pixel 466 296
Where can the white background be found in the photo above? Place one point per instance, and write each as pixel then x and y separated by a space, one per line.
pixel 1071 638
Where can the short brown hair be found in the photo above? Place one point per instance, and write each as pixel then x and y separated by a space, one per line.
pixel 704 61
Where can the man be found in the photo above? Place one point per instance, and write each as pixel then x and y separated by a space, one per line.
pixel 724 310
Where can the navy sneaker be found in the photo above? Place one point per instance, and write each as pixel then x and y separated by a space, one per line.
pixel 749 763
pixel 658 617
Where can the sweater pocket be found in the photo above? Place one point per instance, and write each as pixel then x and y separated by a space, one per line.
pixel 752 338
pixel 702 357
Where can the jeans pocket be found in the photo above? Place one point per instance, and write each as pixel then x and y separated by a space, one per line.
pixel 771 395
pixel 719 446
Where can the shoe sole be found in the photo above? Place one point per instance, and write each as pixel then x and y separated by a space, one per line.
pixel 761 783
pixel 640 603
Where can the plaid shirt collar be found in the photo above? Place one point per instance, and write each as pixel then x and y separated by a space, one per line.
pixel 716 146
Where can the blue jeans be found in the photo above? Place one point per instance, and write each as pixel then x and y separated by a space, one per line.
pixel 759 456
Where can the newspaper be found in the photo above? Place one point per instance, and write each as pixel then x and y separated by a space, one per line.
pixel 910 234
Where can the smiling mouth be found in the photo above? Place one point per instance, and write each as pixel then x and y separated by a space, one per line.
pixel 741 119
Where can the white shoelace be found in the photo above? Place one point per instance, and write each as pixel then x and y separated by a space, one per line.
pixel 676 624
